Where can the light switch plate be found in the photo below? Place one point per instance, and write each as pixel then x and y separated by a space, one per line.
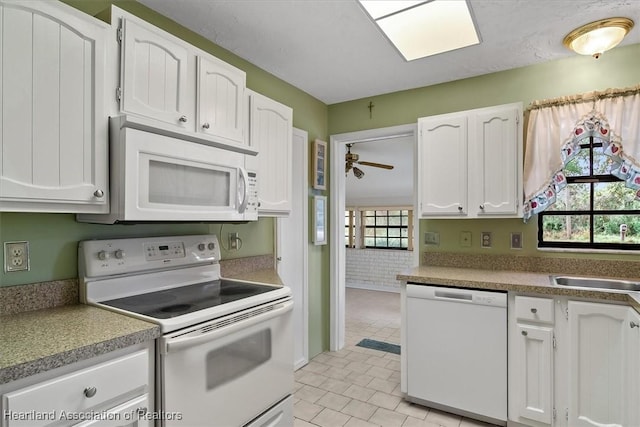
pixel 465 239
pixel 516 240
pixel 16 256
pixel 431 238
pixel 485 239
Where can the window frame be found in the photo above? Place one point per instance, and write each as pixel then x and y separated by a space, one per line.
pixel 358 215
pixel 592 180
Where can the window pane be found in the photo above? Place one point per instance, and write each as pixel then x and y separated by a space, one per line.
pixel 381 220
pixel 601 162
pixel 394 232
pixel 565 228
pixel 394 243
pixel 579 165
pixel 616 229
pixel 614 196
pixel 381 241
pixel 395 220
pixel 394 213
pixel 370 220
pixel 381 232
pixel 573 197
pixel 369 241
pixel 369 232
pixel 404 232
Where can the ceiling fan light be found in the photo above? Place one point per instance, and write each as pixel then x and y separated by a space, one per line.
pixel 358 172
pixel 598 37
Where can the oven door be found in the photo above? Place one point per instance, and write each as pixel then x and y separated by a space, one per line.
pixel 169 179
pixel 228 371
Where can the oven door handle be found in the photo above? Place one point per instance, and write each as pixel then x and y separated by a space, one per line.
pixel 194 338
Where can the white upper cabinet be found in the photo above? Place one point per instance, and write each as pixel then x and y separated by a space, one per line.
pixel 271 132
pixel 442 167
pixel 154 75
pixel 53 138
pixel 470 163
pixel 177 89
pixel 221 99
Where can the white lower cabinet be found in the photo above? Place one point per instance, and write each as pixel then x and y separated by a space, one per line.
pixel 599 338
pixel 577 368
pixel 114 393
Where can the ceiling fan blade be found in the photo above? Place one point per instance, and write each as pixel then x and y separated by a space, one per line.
pixel 376 165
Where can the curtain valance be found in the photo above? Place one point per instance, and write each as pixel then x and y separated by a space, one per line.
pixel 557 127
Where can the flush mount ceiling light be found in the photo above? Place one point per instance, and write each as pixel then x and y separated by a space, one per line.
pixel 597 37
pixel 424 28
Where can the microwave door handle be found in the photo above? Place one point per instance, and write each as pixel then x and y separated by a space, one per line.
pixel 245 197
pixel 180 343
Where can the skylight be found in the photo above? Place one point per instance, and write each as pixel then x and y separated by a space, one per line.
pixel 424 28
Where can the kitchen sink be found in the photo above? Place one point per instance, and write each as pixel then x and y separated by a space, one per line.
pixel 595 283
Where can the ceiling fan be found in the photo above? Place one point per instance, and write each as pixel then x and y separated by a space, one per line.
pixel 351 158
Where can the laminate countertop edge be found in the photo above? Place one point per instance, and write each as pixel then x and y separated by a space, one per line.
pixel 504 280
pixel 38 341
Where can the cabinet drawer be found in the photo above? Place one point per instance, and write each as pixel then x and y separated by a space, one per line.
pixel 534 309
pixel 72 394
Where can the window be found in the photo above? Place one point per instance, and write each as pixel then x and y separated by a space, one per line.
pixel 595 210
pixel 379 228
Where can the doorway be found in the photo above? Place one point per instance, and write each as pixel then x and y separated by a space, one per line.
pixel 337 205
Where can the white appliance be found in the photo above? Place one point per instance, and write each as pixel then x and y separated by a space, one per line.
pixel 226 354
pixel 456 351
pixel 160 177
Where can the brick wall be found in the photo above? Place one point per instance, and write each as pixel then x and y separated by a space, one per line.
pixel 376 268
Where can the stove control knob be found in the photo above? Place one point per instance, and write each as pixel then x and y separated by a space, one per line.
pixel 201 247
pixel 211 246
pixel 103 255
pixel 120 254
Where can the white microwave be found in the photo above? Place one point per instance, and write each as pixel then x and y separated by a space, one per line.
pixel 163 178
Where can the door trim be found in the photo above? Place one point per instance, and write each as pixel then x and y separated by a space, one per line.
pixel 337 250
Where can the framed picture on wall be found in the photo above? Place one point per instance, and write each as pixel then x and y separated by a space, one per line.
pixel 319 164
pixel 319 220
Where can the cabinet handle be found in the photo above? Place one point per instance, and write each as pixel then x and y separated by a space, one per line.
pixel 481 207
pixel 525 333
pixel 460 208
pixel 98 193
pixel 205 126
pixel 634 325
pixel 183 119
pixel 90 391
pixel 534 310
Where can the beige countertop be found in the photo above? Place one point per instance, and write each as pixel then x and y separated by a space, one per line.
pixel 37 341
pixel 505 280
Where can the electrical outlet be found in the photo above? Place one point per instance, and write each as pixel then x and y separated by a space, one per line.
pixel 485 239
pixel 516 240
pixel 16 256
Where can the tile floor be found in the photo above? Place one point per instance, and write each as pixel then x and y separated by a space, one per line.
pixel 359 387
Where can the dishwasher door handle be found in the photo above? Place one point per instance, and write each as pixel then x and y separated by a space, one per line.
pixel 453 295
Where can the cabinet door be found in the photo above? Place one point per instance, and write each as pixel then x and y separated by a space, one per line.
pixel 132 413
pixel 633 370
pixel 154 76
pixel 221 100
pixel 53 142
pixel 271 130
pixel 442 153
pixel 496 152
pixel 598 335
pixel 532 371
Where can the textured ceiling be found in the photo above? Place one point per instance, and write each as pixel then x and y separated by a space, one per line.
pixel 333 51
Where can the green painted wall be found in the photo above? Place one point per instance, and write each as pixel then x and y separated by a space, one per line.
pixel 577 74
pixel 53 238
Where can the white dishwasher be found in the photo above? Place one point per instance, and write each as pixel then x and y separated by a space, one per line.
pixel 456 349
